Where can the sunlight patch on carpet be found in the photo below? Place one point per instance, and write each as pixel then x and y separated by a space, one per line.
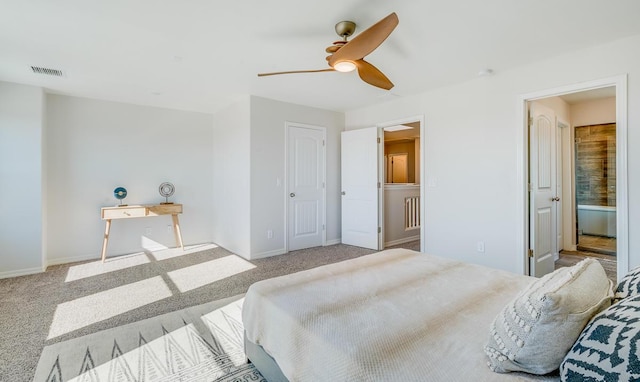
pixel 151 245
pixel 177 252
pixel 84 311
pixel 199 275
pixel 95 268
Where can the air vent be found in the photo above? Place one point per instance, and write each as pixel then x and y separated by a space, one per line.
pixel 47 71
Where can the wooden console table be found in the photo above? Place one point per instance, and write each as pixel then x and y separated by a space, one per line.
pixel 138 211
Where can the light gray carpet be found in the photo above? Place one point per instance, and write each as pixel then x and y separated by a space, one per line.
pixel 30 306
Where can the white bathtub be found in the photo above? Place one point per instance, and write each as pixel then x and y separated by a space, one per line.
pixel 597 220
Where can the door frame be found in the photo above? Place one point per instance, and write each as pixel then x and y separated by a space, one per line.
pixel 622 205
pixel 565 223
pixel 423 171
pixel 285 194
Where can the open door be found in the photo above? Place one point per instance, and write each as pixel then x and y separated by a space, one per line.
pixel 542 190
pixel 361 188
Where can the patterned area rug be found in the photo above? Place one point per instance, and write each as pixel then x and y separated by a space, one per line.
pixel 201 343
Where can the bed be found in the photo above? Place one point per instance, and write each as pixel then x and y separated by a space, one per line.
pixel 396 315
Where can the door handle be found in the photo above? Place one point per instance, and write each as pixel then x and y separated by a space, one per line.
pixel 556 199
pixel 344 193
pixel 292 194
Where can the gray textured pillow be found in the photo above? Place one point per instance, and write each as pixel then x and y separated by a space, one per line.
pixel 535 331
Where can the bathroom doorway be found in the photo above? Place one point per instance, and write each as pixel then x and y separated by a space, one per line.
pixel 595 105
pixel 595 180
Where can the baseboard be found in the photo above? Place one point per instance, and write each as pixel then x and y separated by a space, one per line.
pixel 262 255
pixel 332 242
pixel 20 272
pixel 401 241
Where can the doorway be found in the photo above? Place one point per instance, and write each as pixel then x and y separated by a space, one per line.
pixel 397 170
pixel 562 160
pixel 401 190
pixel 363 175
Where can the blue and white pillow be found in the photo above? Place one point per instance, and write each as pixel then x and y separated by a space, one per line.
pixel 629 285
pixel 608 349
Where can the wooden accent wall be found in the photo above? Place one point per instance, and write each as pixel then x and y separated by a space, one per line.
pixel 596 165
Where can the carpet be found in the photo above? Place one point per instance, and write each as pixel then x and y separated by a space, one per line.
pixel 200 343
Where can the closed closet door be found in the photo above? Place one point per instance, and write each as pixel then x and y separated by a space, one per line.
pixel 306 185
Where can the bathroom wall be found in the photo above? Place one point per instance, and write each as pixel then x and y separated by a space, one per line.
pixel 596 165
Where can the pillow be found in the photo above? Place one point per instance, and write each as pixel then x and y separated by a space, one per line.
pixel 629 286
pixel 535 331
pixel 607 349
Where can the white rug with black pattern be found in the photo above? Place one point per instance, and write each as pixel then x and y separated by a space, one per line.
pixel 201 343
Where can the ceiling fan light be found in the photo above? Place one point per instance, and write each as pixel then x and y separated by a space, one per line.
pixel 344 66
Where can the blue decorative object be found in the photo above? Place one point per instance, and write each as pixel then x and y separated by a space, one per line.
pixel 120 193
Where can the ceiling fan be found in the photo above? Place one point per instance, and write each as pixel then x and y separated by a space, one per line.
pixel 346 56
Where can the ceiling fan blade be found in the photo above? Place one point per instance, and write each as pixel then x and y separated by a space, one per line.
pixel 296 71
pixel 367 41
pixel 371 75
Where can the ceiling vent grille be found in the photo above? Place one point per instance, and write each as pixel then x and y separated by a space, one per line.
pixel 47 71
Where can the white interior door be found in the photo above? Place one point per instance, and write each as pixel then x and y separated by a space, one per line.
pixel 542 190
pixel 305 174
pixel 360 188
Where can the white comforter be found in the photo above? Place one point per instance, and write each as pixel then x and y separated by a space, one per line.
pixel 397 315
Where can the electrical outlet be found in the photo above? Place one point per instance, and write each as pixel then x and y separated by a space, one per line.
pixel 169 228
pixel 148 231
pixel 269 234
pixel 480 246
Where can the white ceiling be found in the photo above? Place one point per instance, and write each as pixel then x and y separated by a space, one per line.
pixel 204 54
pixel 574 98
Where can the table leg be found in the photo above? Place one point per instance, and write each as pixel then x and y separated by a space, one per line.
pixel 176 231
pixel 105 241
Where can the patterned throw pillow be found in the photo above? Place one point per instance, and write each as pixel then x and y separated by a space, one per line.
pixel 608 349
pixel 629 286
pixel 535 331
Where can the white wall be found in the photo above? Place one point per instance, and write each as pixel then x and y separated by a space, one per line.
pixel 472 135
pixel 21 207
pixel 597 112
pixel 231 178
pixel 94 146
pixel 268 119
pixel 394 214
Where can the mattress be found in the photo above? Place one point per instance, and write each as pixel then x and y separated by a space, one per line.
pixel 396 315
